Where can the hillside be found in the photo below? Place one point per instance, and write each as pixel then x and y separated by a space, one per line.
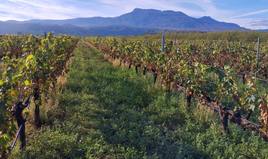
pixel 149 18
pixel 139 21
pixel 29 28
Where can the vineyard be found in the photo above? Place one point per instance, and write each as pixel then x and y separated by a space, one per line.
pixel 229 77
pixel 133 97
pixel 29 68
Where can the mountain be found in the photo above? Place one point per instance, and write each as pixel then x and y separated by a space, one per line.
pixel 139 21
pixel 39 29
pixel 263 30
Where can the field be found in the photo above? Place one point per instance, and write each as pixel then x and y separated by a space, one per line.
pixel 122 97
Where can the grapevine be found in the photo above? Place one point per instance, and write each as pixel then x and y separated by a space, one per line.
pixel 220 71
pixel 29 66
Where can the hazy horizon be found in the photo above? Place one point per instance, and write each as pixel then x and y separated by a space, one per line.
pixel 246 13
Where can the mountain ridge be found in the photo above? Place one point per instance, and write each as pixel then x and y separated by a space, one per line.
pixel 140 20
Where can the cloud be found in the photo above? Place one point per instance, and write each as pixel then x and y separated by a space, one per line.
pixel 61 9
pixel 45 9
pixel 64 9
pixel 252 13
pixel 260 24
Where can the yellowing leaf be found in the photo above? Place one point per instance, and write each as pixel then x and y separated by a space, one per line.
pixel 1 82
pixel 27 83
pixel 30 60
pixel 30 57
pixel 13 93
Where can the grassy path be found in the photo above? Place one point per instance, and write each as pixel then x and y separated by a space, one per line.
pixel 110 112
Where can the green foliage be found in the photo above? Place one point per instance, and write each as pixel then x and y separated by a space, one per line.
pixel 221 70
pixel 230 36
pixel 114 113
pixel 53 144
pixel 27 63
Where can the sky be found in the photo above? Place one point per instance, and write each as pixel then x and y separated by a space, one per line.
pixel 247 13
